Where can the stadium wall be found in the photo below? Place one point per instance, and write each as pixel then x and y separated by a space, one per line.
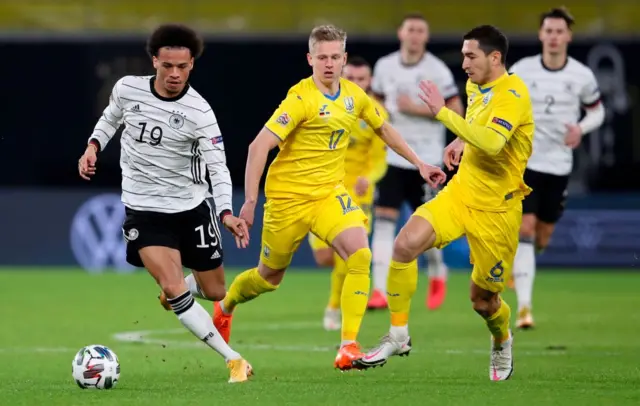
pixel 83 228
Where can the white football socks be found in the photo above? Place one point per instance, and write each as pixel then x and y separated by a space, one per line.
pixel 524 272
pixel 436 267
pixel 196 319
pixel 384 231
pixel 399 333
pixel 192 284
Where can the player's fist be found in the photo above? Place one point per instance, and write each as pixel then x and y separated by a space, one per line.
pixel 247 212
pixel 432 174
pixel 237 227
pixel 431 96
pixel 362 185
pixel 453 153
pixel 573 136
pixel 87 162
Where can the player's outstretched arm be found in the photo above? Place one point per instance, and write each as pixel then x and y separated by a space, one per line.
pixel 394 140
pixel 256 161
pixel 211 145
pixel 104 130
pixel 432 174
pixel 490 138
pixel 110 120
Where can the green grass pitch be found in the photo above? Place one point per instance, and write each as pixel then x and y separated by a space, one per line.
pixel 585 351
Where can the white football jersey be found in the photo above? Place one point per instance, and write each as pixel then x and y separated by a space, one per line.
pixel 557 97
pixel 391 78
pixel 167 145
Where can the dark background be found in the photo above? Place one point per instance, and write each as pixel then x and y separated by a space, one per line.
pixel 55 91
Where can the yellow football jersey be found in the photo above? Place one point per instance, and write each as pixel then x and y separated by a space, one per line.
pixel 366 155
pixel 495 182
pixel 314 130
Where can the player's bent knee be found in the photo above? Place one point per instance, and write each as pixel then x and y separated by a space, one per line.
pixel 413 240
pixel 359 262
pixel 403 250
pixel 215 293
pixel 484 302
pixel 271 275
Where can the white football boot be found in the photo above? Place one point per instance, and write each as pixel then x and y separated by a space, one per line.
pixel 332 320
pixel 379 355
pixel 501 366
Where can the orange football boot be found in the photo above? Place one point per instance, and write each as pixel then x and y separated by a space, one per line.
pixel 222 322
pixel 163 301
pixel 347 355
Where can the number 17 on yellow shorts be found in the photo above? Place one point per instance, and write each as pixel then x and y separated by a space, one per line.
pixel 288 221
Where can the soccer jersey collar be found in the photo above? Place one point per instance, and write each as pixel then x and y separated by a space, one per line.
pixel 329 96
pixel 488 86
pixel 167 99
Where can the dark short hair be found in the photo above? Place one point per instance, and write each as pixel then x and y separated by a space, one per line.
pixel 490 39
pixel 358 61
pixel 175 35
pixel 559 12
pixel 413 16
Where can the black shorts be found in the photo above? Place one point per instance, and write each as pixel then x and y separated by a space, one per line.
pixel 401 185
pixel 195 233
pixel 549 195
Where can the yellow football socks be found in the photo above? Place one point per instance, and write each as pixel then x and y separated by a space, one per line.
pixel 246 286
pixel 355 293
pixel 402 283
pixel 498 322
pixel 338 274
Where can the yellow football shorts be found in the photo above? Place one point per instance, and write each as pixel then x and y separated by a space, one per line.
pixel 288 221
pixel 366 205
pixel 492 236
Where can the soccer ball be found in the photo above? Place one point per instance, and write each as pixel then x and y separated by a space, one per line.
pixel 95 366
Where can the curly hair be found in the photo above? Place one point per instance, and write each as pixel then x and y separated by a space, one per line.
pixel 175 35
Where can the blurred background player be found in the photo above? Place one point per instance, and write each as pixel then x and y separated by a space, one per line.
pixel 304 186
pixel 482 201
pixel 364 165
pixel 170 140
pixel 395 81
pixel 560 86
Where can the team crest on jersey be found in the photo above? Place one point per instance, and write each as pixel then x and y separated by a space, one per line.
pixel 176 121
pixel 283 119
pixel 349 104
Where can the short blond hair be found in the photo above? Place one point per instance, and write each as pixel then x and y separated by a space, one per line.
pixel 327 33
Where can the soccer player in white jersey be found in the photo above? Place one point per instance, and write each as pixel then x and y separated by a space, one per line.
pixel 395 81
pixel 560 87
pixel 170 140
